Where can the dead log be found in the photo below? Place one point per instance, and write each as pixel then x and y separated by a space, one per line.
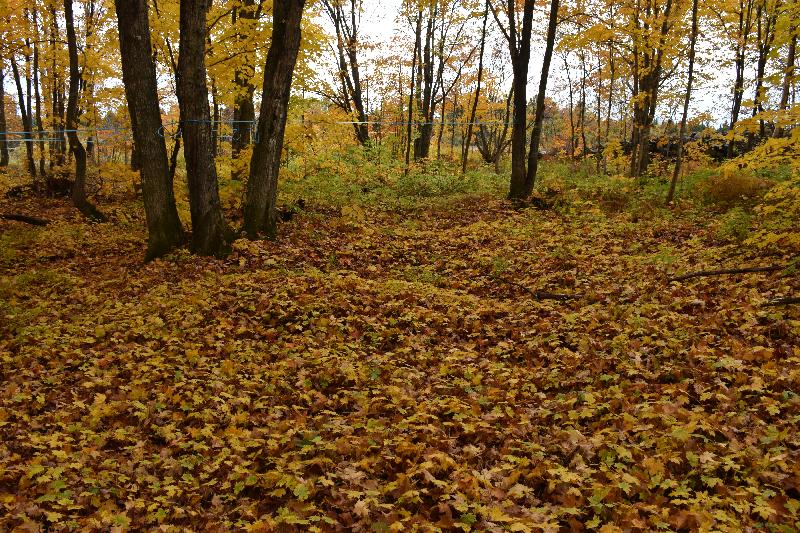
pixel 24 218
pixel 725 271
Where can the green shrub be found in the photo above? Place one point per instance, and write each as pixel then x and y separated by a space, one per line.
pixel 734 226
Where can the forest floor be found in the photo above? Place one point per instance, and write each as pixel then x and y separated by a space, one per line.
pixel 391 370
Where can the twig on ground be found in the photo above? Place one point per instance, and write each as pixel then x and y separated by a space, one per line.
pixel 539 295
pixel 789 300
pixel 725 271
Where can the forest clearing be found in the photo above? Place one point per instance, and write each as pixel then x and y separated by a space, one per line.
pixel 408 265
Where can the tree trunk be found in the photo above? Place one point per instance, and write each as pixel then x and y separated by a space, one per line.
pixel 679 159
pixel 520 48
pixel 79 198
pixel 346 27
pixel 426 92
pixel 3 125
pixel 26 118
pixel 453 126
pixel 262 187
pixel 766 35
pixel 572 138
pixel 244 112
pixel 38 98
pixel 598 121
pixel 210 233
pixel 215 120
pixel 788 76
pixel 417 44
pixel 536 135
pixel 582 116
pixel 139 76
pixel 58 143
pixel 647 78
pixel 440 136
pixel 474 110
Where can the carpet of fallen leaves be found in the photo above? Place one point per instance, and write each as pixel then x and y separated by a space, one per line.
pixel 377 370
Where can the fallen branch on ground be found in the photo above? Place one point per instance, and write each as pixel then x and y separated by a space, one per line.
pixel 540 295
pixel 24 218
pixel 789 300
pixel 722 272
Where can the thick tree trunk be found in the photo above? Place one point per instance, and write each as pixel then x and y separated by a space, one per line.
pixel 3 125
pixel 536 135
pixel 679 159
pixel 139 76
pixel 262 187
pixel 520 48
pixel 79 198
pixel 210 233
pixel 647 78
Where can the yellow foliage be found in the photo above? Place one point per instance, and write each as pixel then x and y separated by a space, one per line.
pixel 731 187
pixel 778 219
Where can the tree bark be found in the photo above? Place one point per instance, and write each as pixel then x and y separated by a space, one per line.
pixel 244 111
pixel 3 125
pixel 26 118
pixel 210 233
pixel 519 45
pixel 474 110
pixel 573 140
pixel 647 80
pixel 582 116
pixel 79 198
pixel 766 36
pixel 679 158
pixel 536 135
pixel 139 76
pixel 262 187
pixel 788 76
pixel 59 144
pixel 417 44
pixel 38 98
